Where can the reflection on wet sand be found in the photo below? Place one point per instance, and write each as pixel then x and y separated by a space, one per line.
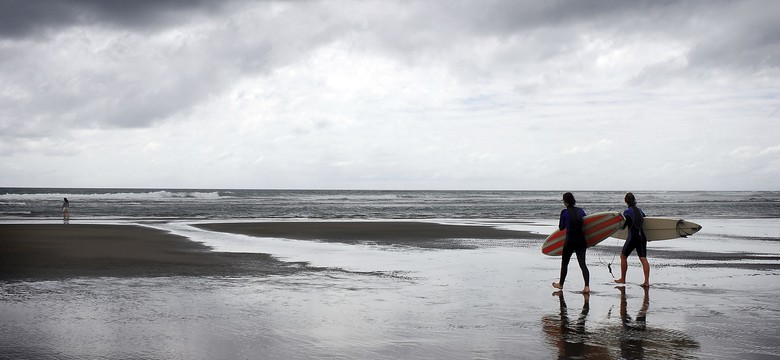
pixel 638 341
pixel 571 338
pixel 631 339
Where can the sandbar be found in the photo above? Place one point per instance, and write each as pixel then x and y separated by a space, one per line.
pixel 408 233
pixel 56 251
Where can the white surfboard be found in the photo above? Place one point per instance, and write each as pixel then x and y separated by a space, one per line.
pixel 658 228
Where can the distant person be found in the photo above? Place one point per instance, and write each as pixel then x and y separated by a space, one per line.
pixel 571 220
pixel 65 210
pixel 636 240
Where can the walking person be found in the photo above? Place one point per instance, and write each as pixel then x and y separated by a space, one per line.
pixel 571 220
pixel 636 240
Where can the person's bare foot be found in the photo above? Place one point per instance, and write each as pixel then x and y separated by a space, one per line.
pixel 620 281
pixel 645 285
pixel 586 290
pixel 557 285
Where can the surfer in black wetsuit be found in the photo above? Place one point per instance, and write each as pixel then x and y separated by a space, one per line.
pixel 636 240
pixel 571 220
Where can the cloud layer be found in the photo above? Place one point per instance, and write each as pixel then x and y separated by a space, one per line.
pixel 400 95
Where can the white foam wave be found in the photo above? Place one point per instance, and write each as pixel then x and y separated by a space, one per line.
pixel 147 196
pixel 349 197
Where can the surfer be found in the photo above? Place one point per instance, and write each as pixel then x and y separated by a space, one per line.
pixel 636 240
pixel 571 220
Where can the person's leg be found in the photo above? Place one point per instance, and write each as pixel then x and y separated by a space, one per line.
pixel 584 267
pixel 646 269
pixel 623 269
pixel 565 257
pixel 641 250
pixel 628 247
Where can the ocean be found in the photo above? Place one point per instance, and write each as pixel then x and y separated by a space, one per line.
pixel 713 295
pixel 193 204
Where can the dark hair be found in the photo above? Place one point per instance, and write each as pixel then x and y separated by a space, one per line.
pixel 630 199
pixel 569 199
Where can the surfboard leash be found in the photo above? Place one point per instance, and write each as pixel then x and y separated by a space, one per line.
pixel 609 266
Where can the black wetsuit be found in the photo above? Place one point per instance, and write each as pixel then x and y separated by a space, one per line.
pixel 636 235
pixel 571 220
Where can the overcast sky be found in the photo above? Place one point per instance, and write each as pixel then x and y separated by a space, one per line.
pixel 515 95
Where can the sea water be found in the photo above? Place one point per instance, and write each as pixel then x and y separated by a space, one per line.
pixel 166 204
pixel 714 294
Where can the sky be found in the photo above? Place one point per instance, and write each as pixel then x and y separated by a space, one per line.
pixel 449 94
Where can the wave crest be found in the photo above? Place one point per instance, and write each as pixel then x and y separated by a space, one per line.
pixel 149 196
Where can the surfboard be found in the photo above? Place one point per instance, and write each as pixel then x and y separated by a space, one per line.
pixel 597 227
pixel 659 228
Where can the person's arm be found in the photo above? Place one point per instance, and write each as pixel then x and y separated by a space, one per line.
pixel 562 221
pixel 629 220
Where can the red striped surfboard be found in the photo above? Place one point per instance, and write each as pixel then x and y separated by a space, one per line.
pixel 597 227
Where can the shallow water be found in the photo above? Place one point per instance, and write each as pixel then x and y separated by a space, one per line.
pixel 337 315
pixel 399 302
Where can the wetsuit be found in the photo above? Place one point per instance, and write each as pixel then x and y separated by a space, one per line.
pixel 571 220
pixel 636 235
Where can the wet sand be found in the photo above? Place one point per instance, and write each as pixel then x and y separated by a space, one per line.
pixel 418 234
pixel 52 251
pixel 49 251
pixel 126 291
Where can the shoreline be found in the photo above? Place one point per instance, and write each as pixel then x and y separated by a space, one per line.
pixel 57 251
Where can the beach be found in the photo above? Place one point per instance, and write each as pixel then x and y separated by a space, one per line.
pixel 54 251
pixel 416 234
pixel 400 289
pixel 49 251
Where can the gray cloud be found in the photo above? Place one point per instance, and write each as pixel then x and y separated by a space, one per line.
pixel 744 37
pixel 300 75
pixel 164 58
pixel 21 18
